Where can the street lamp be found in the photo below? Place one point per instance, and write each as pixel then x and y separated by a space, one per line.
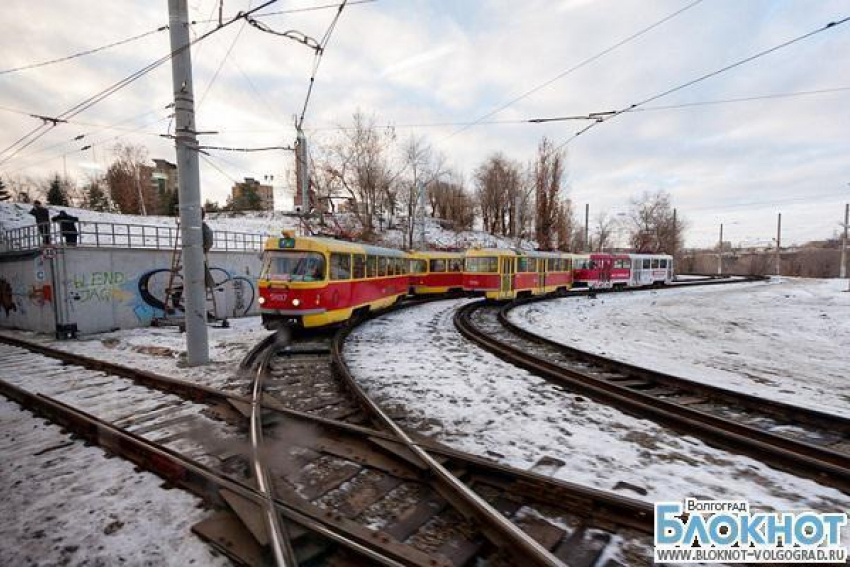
pixel 720 250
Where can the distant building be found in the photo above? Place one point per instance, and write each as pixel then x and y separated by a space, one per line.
pixel 239 192
pixel 164 176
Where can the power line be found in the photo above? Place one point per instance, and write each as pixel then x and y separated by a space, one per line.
pixel 35 134
pixel 317 61
pixel 247 150
pixel 84 53
pixel 574 68
pixel 633 107
pixel 295 10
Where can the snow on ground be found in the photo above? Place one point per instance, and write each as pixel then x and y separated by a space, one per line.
pixel 162 349
pixel 787 340
pixel 476 402
pixel 65 503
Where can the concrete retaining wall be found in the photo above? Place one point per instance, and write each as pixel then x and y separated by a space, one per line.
pixel 102 289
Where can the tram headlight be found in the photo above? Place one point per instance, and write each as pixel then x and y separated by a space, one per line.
pixel 261 300
pixel 296 302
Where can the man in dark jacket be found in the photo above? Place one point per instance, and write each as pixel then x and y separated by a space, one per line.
pixel 67 227
pixel 42 220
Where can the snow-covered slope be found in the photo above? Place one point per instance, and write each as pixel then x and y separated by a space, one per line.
pixel 16 215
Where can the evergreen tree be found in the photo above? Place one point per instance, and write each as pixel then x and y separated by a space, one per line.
pixel 96 198
pixel 4 193
pixel 56 194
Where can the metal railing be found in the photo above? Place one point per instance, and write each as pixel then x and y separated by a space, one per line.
pixel 119 235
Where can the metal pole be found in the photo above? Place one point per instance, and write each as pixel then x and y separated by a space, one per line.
pixel 186 142
pixel 779 244
pixel 720 253
pixel 303 173
pixel 843 271
pixel 587 227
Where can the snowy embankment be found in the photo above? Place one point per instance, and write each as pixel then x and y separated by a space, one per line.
pixel 162 350
pixel 67 504
pixel 16 215
pixel 475 402
pixel 787 340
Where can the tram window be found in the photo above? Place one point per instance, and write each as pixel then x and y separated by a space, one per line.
pixel 396 266
pixel 522 265
pixel 663 263
pixel 359 267
pixel 293 266
pixel 455 264
pixel 340 266
pixel 481 265
pixel 418 267
pixel 654 263
pixel 646 263
pixel 438 265
pixel 402 265
pixel 382 266
pixel 371 267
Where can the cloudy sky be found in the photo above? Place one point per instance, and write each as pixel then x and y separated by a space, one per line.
pixel 428 65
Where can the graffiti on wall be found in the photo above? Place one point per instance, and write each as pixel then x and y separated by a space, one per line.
pixel 7 300
pixel 145 295
pixel 99 287
pixel 155 286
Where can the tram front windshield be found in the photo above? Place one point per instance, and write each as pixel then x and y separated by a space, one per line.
pixel 293 266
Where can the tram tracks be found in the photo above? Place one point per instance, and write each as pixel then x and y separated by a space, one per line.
pixel 347 486
pixel 798 440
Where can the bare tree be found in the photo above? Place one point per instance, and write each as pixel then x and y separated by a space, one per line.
pixel 547 176
pixel 450 201
pixel 498 183
pixel 565 227
pixel 654 226
pixel 129 180
pixel 421 165
pixel 603 231
pixel 358 166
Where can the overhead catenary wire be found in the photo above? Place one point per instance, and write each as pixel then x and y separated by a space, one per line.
pixel 633 107
pixel 84 53
pixel 574 68
pixel 318 60
pixel 35 134
pixel 295 10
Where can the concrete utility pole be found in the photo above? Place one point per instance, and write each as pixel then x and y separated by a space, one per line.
pixel 843 270
pixel 303 172
pixel 420 213
pixel 587 227
pixel 516 227
pixel 779 244
pixel 189 190
pixel 720 253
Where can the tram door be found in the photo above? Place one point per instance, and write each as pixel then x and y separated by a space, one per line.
pixel 541 274
pixel 507 271
pixel 605 272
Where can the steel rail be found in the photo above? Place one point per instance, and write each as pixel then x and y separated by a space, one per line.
pixel 743 399
pixel 627 511
pixel 278 536
pixel 782 452
pixel 197 478
pixel 501 531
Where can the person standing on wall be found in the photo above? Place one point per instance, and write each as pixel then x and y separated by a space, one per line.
pixel 42 220
pixel 208 239
pixel 67 227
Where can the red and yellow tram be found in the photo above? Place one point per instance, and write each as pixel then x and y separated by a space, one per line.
pixel 436 272
pixel 502 273
pixel 312 281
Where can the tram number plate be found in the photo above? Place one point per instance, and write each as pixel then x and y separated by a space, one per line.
pixel 286 243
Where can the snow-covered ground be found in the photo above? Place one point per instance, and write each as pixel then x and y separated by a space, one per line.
pixel 787 339
pixel 162 350
pixel 67 504
pixel 475 402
